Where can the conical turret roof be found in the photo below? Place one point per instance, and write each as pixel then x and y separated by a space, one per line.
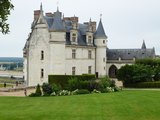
pixel 100 33
pixel 143 45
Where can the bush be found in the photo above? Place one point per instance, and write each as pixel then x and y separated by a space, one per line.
pixel 62 80
pixel 64 93
pixel 37 93
pixel 96 91
pixel 38 90
pixel 47 89
pixel 73 83
pixel 56 88
pixel 33 95
pixel 82 91
pixel 104 83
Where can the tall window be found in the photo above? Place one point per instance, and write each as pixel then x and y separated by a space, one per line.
pixel 89 54
pixel 89 69
pixel 73 37
pixel 104 59
pixel 42 55
pixel 50 36
pixel 73 70
pixel 89 39
pixel 42 73
pixel 73 53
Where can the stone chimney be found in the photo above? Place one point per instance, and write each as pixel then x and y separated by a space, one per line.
pixel 93 24
pixel 36 14
pixel 49 14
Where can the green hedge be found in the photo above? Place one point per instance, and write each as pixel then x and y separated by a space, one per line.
pixel 62 80
pixel 144 85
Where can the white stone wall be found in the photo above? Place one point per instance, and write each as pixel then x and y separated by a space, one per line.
pixel 25 70
pixel 57 53
pixel 39 41
pixel 81 62
pixel 101 56
pixel 118 65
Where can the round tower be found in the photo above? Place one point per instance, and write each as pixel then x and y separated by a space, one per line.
pixel 100 41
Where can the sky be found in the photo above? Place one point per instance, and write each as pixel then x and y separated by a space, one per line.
pixel 126 22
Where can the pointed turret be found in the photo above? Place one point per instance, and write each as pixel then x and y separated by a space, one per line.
pixel 100 33
pixel 41 16
pixel 41 8
pixel 100 41
pixel 143 45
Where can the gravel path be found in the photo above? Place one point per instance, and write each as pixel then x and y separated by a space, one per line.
pixel 17 93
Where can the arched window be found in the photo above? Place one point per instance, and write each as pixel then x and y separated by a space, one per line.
pixel 113 71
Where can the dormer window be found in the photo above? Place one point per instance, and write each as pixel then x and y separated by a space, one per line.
pixel 89 39
pixel 73 37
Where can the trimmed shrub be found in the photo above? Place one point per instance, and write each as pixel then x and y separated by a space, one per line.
pixel 47 89
pixel 62 80
pixel 38 90
pixel 37 93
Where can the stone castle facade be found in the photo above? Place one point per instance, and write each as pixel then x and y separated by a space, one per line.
pixel 62 46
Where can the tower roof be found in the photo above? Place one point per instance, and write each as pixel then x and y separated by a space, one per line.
pixel 100 33
pixel 57 22
pixel 143 45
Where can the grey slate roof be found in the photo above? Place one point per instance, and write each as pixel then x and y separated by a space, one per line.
pixel 55 23
pixel 129 54
pixel 100 33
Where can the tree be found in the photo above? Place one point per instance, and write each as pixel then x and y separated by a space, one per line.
pixel 135 73
pixel 5 7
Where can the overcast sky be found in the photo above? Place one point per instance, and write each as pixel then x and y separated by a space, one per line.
pixel 126 22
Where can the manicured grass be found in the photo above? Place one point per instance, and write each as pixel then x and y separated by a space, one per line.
pixel 7 80
pixel 125 105
pixel 7 85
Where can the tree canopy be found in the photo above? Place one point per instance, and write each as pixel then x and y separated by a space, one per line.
pixel 5 7
pixel 144 70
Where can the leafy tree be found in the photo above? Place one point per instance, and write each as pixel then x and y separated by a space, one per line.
pixel 5 8
pixel 135 73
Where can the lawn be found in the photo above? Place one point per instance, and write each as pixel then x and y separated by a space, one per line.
pixel 7 85
pixel 125 105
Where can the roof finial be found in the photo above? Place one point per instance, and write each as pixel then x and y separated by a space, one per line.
pixel 57 6
pixel 100 16
pixel 90 20
pixel 41 8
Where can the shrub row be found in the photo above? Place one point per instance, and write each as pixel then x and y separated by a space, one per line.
pixel 62 80
pixel 144 85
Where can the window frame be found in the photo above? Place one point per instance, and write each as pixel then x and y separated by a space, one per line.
pixel 89 54
pixel 73 70
pixel 73 53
